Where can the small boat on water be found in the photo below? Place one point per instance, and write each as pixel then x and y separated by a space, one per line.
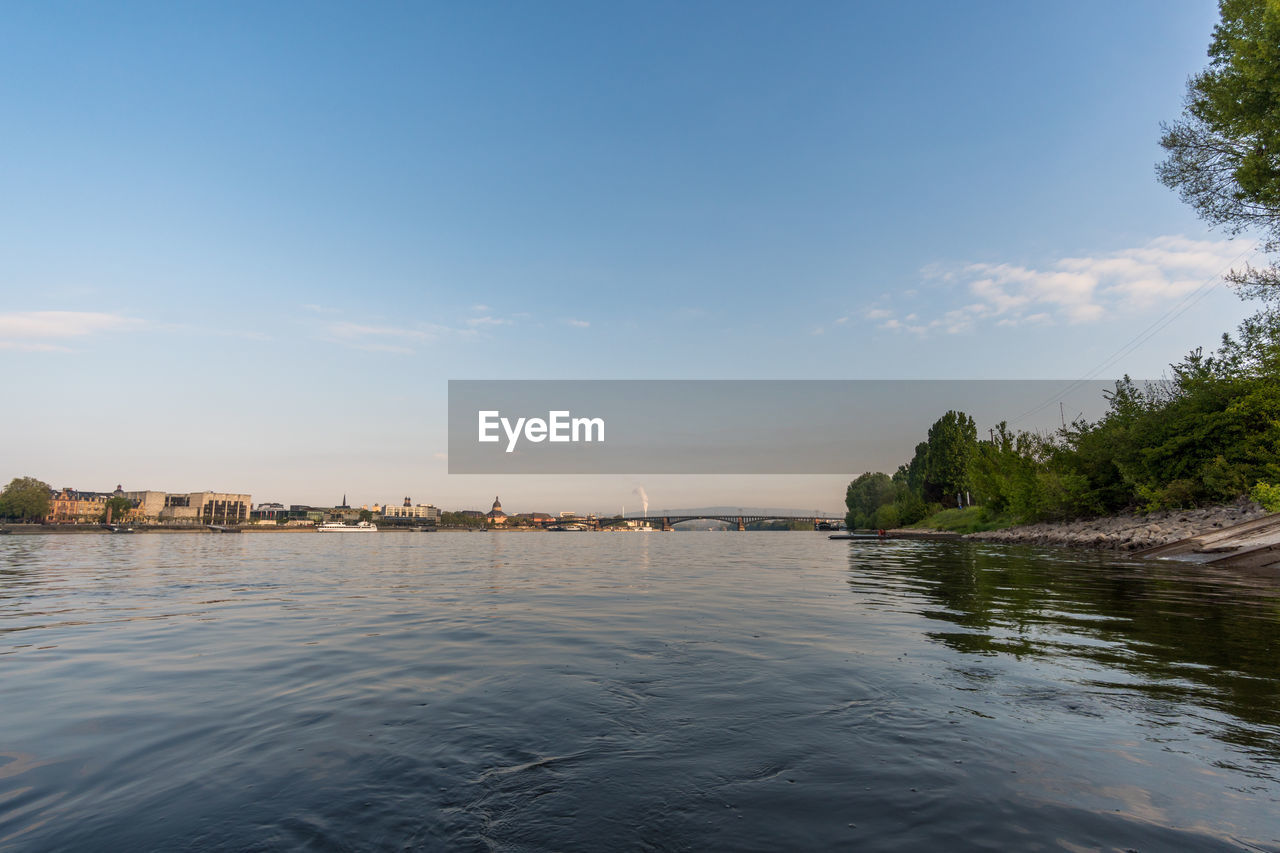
pixel 340 527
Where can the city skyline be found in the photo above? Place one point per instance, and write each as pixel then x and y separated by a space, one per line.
pixel 248 247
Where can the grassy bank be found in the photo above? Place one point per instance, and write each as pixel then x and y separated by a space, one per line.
pixel 969 520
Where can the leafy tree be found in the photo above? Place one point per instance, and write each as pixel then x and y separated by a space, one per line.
pixel 912 473
pixel 953 441
pixel 1224 155
pixel 865 495
pixel 116 508
pixel 366 515
pixel 25 498
pixel 457 519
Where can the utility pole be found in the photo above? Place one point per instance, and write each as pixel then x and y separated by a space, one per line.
pixel 1062 413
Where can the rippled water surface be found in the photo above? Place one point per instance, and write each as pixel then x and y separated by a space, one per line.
pixel 751 691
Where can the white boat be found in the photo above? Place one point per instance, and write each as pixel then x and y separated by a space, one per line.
pixel 339 527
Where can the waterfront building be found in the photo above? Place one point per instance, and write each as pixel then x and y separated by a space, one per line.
pixel 496 515
pixel 423 512
pixel 198 507
pixel 269 511
pixel 535 517
pixel 70 506
pixel 149 504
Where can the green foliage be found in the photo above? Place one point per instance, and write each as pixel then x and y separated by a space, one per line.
pixel 968 520
pixel 25 499
pixel 912 508
pixel 1223 155
pixel 1267 495
pixel 886 517
pixel 865 495
pixel 952 444
pixel 366 515
pixel 1199 438
pixel 457 519
pixel 117 508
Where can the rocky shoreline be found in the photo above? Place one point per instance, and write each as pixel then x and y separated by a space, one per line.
pixel 1126 532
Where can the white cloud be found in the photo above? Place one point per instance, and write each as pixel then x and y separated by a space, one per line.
pixel 25 346
pixel 581 324
pixel 1077 289
pixel 488 321
pixel 357 330
pixel 27 325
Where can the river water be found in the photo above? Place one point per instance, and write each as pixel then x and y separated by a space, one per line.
pixel 688 691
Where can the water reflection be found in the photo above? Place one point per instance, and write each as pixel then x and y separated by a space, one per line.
pixel 753 691
pixel 1161 637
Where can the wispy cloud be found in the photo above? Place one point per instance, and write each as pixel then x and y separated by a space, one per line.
pixel 28 346
pixel 348 330
pixel 372 337
pixel 1070 290
pixel 375 347
pixel 488 321
pixel 35 331
pixel 580 324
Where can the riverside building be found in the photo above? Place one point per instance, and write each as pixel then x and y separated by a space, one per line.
pixel 421 512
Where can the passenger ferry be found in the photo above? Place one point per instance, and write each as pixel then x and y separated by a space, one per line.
pixel 339 527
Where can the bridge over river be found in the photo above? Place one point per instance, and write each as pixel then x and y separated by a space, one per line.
pixel 667 521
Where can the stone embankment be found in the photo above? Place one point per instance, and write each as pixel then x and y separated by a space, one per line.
pixel 1127 532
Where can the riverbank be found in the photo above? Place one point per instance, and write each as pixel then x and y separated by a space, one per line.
pixel 1131 532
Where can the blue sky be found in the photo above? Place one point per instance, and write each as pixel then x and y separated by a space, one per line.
pixel 245 245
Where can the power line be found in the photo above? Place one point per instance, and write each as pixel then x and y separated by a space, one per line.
pixel 1178 309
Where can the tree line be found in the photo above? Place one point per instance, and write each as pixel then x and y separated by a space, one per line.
pixel 1209 434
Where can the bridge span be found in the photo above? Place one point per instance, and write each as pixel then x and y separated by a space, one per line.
pixel 667 521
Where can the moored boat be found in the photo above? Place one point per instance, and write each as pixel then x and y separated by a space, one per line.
pixel 340 527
